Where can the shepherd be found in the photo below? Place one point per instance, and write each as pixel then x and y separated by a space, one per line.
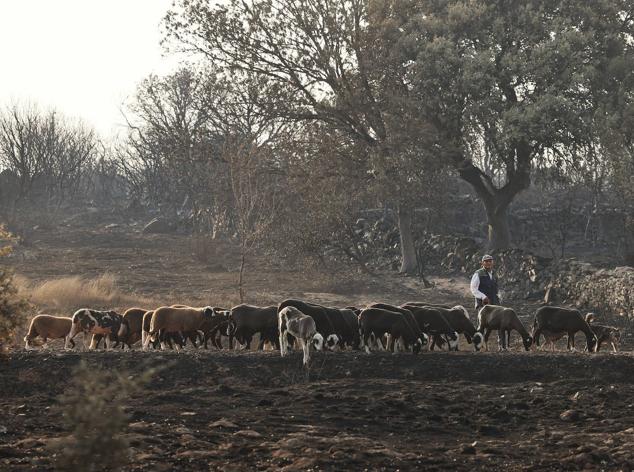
pixel 484 284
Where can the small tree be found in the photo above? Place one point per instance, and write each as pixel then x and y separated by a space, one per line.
pixel 93 411
pixel 253 194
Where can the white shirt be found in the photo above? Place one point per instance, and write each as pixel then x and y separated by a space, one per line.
pixel 475 284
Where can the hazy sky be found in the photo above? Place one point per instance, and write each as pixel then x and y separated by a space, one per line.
pixel 82 57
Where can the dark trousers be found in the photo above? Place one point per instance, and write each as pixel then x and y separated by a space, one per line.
pixel 492 301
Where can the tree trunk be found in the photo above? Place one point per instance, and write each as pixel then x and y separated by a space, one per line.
pixel 517 163
pixel 498 226
pixel 496 200
pixel 409 264
pixel 240 279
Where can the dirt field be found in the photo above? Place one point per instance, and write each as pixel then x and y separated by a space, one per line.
pixel 257 411
pixel 220 410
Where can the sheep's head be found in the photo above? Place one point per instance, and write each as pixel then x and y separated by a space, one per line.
pixel 417 346
pixel 318 342
pixel 528 342
pixel 231 327
pixel 332 341
pixel 478 341
pixel 424 339
pixel 84 320
pixel 616 336
pixel 220 312
pixel 124 329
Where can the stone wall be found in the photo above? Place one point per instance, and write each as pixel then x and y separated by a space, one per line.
pixel 524 275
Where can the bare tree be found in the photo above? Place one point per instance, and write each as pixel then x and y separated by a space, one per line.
pixel 254 195
pixel 322 61
pixel 46 152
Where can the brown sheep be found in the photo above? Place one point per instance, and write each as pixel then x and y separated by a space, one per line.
pixel 504 320
pixel 147 319
pixel 604 334
pixel 557 319
pixel 176 320
pixel 134 316
pixel 47 327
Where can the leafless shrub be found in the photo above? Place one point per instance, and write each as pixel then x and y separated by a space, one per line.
pixel 93 412
pixel 45 156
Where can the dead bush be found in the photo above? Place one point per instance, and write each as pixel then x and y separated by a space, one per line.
pixel 93 412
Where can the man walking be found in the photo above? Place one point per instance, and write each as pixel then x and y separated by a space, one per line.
pixel 484 285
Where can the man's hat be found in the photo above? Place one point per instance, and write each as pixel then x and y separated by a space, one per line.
pixel 487 257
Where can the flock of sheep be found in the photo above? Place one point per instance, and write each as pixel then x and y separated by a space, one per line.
pixel 411 327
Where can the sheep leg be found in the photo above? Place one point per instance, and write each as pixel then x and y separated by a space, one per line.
pixel 571 342
pixel 218 339
pixel 108 342
pixel 366 336
pixel 487 333
pixel 306 348
pixel 170 339
pixel 164 339
pixel 179 341
pixel 283 346
pixel 390 341
pixel 214 334
pixel 613 346
pixel 536 333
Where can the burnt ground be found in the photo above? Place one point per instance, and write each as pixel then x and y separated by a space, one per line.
pixel 221 410
pixel 352 411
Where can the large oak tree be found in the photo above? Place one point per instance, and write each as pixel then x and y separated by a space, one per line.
pixel 510 85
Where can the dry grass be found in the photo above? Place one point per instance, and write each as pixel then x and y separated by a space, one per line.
pixel 67 294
